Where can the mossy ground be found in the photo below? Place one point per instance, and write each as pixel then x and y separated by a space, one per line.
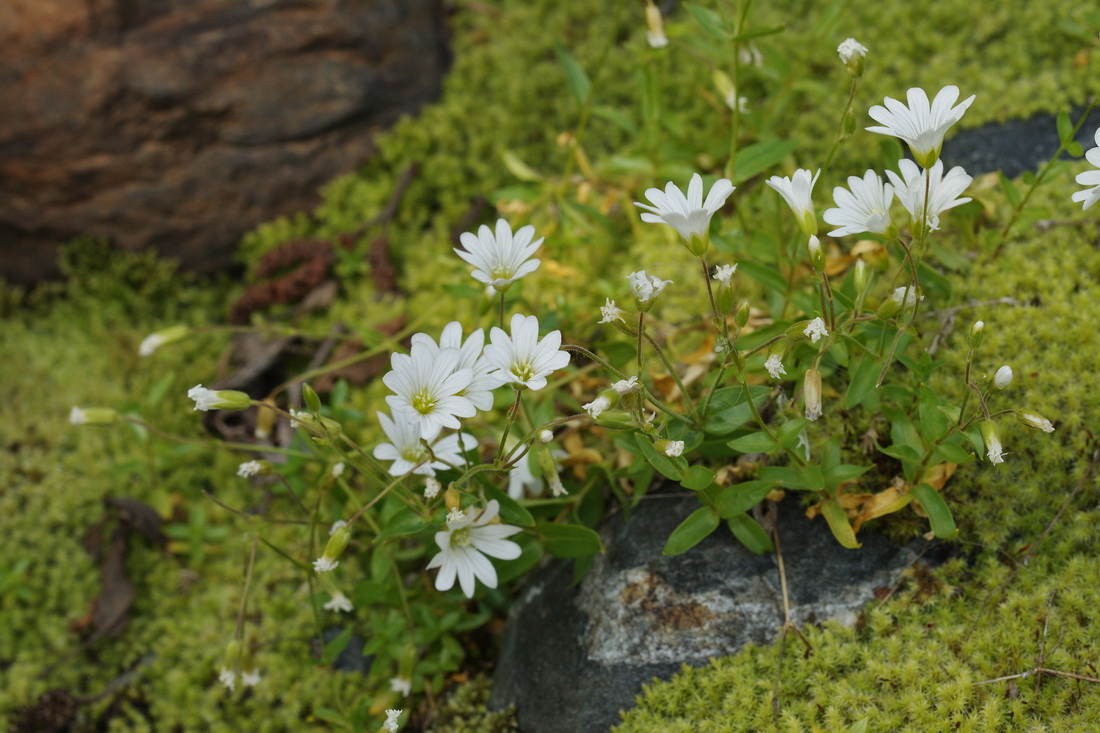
pixel 914 661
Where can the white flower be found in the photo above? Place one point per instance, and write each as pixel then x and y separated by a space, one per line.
pixel 523 481
pixel 993 449
pixel 432 487
pixel 942 190
pixel 596 407
pixel 463 548
pixel 522 359
pixel 905 296
pixel 406 450
pixel 920 125
pixel 338 470
pixel 391 723
pixel 205 399
pixel 297 417
pixel 401 685
pixel 724 273
pixel 750 55
pixel 428 386
pixel 851 51
pixel 1090 196
pixel 811 393
pixel 502 259
pixel 645 287
pixel 249 468
pixel 251 679
pixel 673 448
pixel 815 330
pixel 479 391
pixel 609 312
pixel 774 365
pixel 324 564
pixel 77 416
pixel 865 209
pixel 557 488
pixel 339 602
pixel 150 343
pixel 335 526
pixel 1032 420
pixel 626 386
pixel 797 191
pixel 1003 377
pixel 690 216
pixel 228 678
pixel 455 516
pixel 655 35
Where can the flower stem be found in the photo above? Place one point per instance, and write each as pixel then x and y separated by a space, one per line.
pixel 508 426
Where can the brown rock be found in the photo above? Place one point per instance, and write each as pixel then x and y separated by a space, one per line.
pixel 181 124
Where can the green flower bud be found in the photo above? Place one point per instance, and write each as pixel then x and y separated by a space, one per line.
pixel 309 396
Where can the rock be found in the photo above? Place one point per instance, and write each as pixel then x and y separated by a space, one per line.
pixel 181 124
pixel 573 658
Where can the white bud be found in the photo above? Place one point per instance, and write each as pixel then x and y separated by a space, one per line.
pixel 1003 377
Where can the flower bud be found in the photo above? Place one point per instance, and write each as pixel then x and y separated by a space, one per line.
pixel 545 436
pixel 452 499
pixel 670 448
pixel 817 256
pixel 1003 377
pixel 335 547
pixel 1034 420
pixel 974 338
pixel 655 34
pixel 743 314
pixel 309 396
pixel 92 416
pixel 888 309
pixel 226 399
pixel 811 393
pixel 606 399
pixel 154 341
pixel 851 52
pixel 860 277
pixel 992 442
pixel 618 419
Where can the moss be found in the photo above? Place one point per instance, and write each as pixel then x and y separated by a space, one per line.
pixel 467 709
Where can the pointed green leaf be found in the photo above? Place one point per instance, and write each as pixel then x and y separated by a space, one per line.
pixel 758 442
pixel 1065 127
pixel 569 540
pixel 754 159
pixel 939 514
pixel 863 373
pixel 839 524
pixel 697 478
pixel 739 498
pixel 575 78
pixel 511 511
pixel 693 530
pixel 710 21
pixel 728 409
pixel 750 534
pixel 337 645
pixel 672 468
pixel 789 431
pixel 1009 189
pixel 404 521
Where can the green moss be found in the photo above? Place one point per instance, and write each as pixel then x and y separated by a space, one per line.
pixel 467 709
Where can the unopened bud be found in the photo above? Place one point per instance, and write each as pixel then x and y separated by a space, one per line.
pixel 1003 377
pixel 337 542
pixel 811 393
pixel 851 52
pixel 309 396
pixel 225 399
pixel 154 341
pixel 859 279
pixel 618 419
pixel 743 314
pixel 992 442
pixel 92 416
pixel 545 436
pixel 452 499
pixel 655 33
pixel 817 256
pixel 977 331
pixel 670 448
pixel 1034 420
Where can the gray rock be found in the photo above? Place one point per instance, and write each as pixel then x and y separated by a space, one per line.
pixel 573 658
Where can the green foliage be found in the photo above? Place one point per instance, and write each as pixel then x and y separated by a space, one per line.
pixel 467 709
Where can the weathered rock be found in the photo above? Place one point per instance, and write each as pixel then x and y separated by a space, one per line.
pixel 572 659
pixel 180 124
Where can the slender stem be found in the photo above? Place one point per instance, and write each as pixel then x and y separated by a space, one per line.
pixel 674 372
pixel 840 136
pixel 966 383
pixel 599 360
pixel 508 426
pixel 501 315
pixel 641 330
pixel 237 631
pixel 718 320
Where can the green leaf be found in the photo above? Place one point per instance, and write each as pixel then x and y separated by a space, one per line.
pixel 697 478
pixel 789 431
pixel 693 530
pixel 575 77
pixel 1075 150
pixel 836 475
pixel 933 423
pixel 620 119
pixel 710 21
pixel 1009 189
pixel 785 476
pixel 511 511
pixel 759 32
pixel 672 468
pixel 739 498
pixel 750 534
pixel 769 277
pixel 904 453
pixel 863 373
pixel 569 540
pixel 939 515
pixel 953 452
pixel 1065 127
pixel 812 477
pixel 758 442
pixel 337 645
pixel 729 410
pixel 757 158
pixel 405 521
pixel 518 168
pixel 839 524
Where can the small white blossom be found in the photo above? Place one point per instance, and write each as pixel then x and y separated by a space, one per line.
pixel 645 287
pixel 251 679
pixel 920 125
pixel 205 399
pixel 750 55
pixel 609 313
pixel 905 296
pixel 866 208
pixel 1003 377
pixel 797 191
pixel 479 390
pixel 249 468
pixel 150 343
pixel 689 215
pixel 626 386
pixel 335 526
pixel 994 450
pixel 339 602
pixel 324 564
pixel 297 417
pixel 428 386
pixel 522 480
pixel 463 547
pixel 338 470
pixel 502 259
pixel 596 407
pixel 774 365
pixel 402 685
pixel 391 725
pixel 851 51
pixel 228 678
pixel 655 33
pixel 456 516
pixel 77 416
pixel 406 450
pixel 1091 195
pixel 557 488
pixel 942 190
pixel 522 359
pixel 811 393
pixel 674 448
pixel 432 488
pixel 815 330
pixel 1032 420
pixel 724 273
